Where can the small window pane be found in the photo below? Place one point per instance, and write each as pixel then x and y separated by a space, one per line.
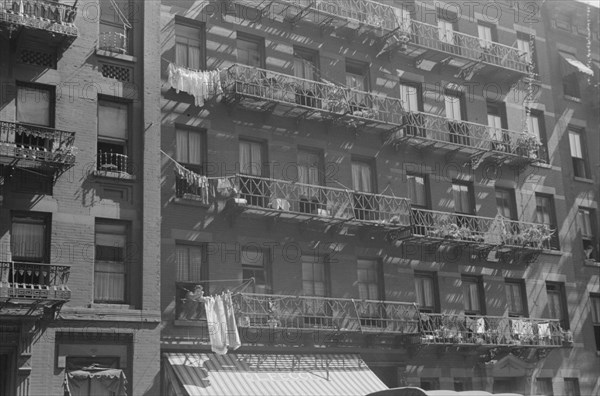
pixel 113 120
pixel 33 106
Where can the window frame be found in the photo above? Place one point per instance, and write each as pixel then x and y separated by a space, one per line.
pixel 264 168
pixel 554 243
pixel 558 289
pixel 591 239
pixel 200 28
pixel 425 188
pixel 266 267
pixel 512 204
pixel 526 37
pixel 409 86
pixel 478 282
pixel 470 194
pixel 595 320
pixel 575 383
pixel 580 164
pixel 316 259
pixel 379 284
pixel 126 262
pixel 249 38
pixel 520 285
pixel 543 153
pixel 51 92
pixel 203 270
pixel 197 168
pixel 432 276
pixel 117 26
pixel 46 220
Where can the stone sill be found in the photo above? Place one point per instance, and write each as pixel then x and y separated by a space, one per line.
pixel 190 323
pixel 552 252
pixel 591 263
pixel 114 175
pixel 190 202
pixel 572 99
pixel 583 180
pixel 116 55
pixel 110 312
pixel 542 165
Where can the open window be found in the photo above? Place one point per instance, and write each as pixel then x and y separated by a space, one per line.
pixel 113 136
pixel 115 29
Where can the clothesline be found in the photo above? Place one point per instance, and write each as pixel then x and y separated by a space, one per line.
pixel 178 164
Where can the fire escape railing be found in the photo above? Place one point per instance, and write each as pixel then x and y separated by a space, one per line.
pixel 35 281
pixel 46 15
pixel 456 329
pixel 325 202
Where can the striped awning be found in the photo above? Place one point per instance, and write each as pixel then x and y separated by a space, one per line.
pixel 195 374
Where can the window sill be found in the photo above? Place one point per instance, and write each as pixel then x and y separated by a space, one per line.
pixel 572 99
pixel 542 165
pixel 583 179
pixel 189 201
pixel 591 263
pixel 552 252
pixel 115 55
pixel 110 306
pixel 190 323
pixel 114 175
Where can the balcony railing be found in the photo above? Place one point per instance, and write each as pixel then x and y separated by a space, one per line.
pixel 33 281
pixel 426 129
pixel 464 228
pixel 328 99
pixel 46 15
pixel 185 190
pixel 114 162
pixel 36 144
pixel 113 42
pixel 452 329
pixel 324 202
pixel 303 312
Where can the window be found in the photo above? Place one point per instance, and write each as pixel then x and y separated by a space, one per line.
pixel 524 42
pixel 357 78
pixel 544 387
pixel 487 35
pixel 557 303
pixel 253 189
pixel 306 67
pixel 578 156
pixel 410 96
pixel 570 74
pixel 463 198
pixel 191 263
pixel 515 297
pixel 189 45
pixel 571 85
pixel 110 269
pixel 505 202
pixel 462 384
pixel 115 36
pixel 363 182
pixel 191 149
pixel 454 104
pixel 35 105
pixel 545 215
pixel 314 277
pixel 473 297
pixel 445 31
pixel 310 171
pixel 30 237
pixel 255 264
pixel 417 190
pixel 250 50
pixel 585 222
pixel 572 387
pixel 535 126
pixel 595 306
pixel 113 133
pixel 426 291
pixel 369 285
pixel 496 118
pixel 430 383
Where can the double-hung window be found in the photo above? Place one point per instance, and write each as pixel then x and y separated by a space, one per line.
pixel 191 153
pixel 256 264
pixel 545 215
pixel 516 301
pixel 113 136
pixel 35 106
pixel 189 45
pixel 30 237
pixel 473 297
pixel 578 157
pixel 111 262
pixel 585 222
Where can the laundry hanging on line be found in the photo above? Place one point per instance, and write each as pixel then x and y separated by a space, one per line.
pixel 222 327
pixel 192 178
pixel 202 85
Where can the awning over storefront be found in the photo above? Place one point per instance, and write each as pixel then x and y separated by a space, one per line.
pixel 95 381
pixel 269 374
pixel 575 63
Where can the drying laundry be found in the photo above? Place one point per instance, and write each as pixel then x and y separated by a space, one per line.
pixel 202 85
pixel 192 178
pixel 222 328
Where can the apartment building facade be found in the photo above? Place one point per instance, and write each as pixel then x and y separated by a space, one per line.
pixel 79 206
pixel 382 183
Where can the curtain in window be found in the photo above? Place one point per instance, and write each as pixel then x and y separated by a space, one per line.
pixel 28 241
pixel 361 177
pixel 189 263
pixel 495 124
pixel 182 146
pixel 368 287
pixel 471 296
pixel 113 120
pixel 33 106
pixel 523 46
pixel 452 103
pixel 195 148
pixel 543 210
pixel 313 276
pixel 416 190
pixel 485 36
pixel 554 304
pixel 408 97
pixel 251 158
pixel 424 288
pixel 575 143
pixel 445 31
pixel 462 202
pixel 584 221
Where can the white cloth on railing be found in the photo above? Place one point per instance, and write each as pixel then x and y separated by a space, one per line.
pixel 544 329
pixel 476 325
pixel 280 204
pixel 233 337
pixel 225 188
pixel 522 327
pixel 200 84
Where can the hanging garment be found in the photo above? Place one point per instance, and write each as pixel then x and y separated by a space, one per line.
pixel 224 187
pixel 214 332
pixel 233 337
pixel 544 330
pixel 202 85
pixel 221 349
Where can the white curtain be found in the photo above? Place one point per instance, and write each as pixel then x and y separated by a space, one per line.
pixel 33 106
pixel 485 36
pixel 471 296
pixel 189 263
pixel 513 295
pixel 584 221
pixel 453 111
pixel 313 276
pixel 182 147
pixel 195 148
pixel 462 202
pixel 28 240
pixel 575 143
pixel 445 31
pixel 416 190
pixel 523 46
pixel 408 97
pixel 361 177
pixel 495 124
pixel 424 288
pixel 109 271
pixel 250 158
pixel 113 120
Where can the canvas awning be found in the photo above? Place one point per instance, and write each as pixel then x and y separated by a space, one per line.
pixel 269 374
pixel 575 63
pixel 95 381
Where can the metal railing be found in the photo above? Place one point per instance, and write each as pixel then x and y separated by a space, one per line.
pixel 497 231
pixel 114 162
pixel 385 20
pixel 455 329
pixel 36 143
pixel 34 281
pixel 300 312
pixel 321 201
pixel 185 190
pixel 466 134
pixel 40 14
pixel 113 42
pixel 334 99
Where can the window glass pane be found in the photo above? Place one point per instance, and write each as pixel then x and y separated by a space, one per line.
pixel 453 107
pixel 595 305
pixel 188 47
pixel 409 97
pixel 362 177
pixel 425 292
pixel 575 143
pixel 416 190
pixel 309 167
pixel 368 282
pixel 110 266
pixel 313 276
pixel 113 120
pixel 33 106
pixel 28 239
pixel 249 52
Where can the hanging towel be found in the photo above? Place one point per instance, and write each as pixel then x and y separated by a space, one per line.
pixel 221 349
pixel 224 187
pixel 544 330
pixel 480 329
pixel 214 331
pixel 233 337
